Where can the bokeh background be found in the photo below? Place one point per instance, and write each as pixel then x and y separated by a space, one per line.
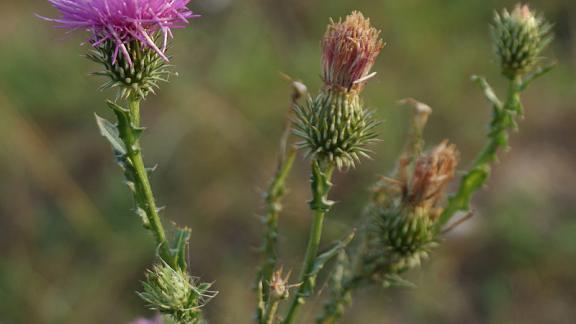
pixel 72 252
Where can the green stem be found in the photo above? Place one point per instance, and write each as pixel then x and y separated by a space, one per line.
pixel 319 205
pixel 273 208
pixel 274 195
pixel 503 121
pixel 144 195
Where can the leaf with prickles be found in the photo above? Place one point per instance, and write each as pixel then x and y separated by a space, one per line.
pixel 123 116
pixel 321 184
pixel 110 132
pixel 540 71
pixel 395 280
pixel 488 92
pixel 322 259
pixel 142 214
pixel 152 169
pixel 182 238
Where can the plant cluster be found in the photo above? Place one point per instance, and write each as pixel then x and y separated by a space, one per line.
pixel 408 211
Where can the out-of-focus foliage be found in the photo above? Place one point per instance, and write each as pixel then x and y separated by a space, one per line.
pixel 71 251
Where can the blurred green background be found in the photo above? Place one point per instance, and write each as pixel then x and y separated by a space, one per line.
pixel 72 252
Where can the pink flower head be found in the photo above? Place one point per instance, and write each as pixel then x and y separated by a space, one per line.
pixel 349 49
pixel 122 21
pixel 155 320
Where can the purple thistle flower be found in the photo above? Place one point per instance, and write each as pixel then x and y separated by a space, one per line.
pixel 122 21
pixel 155 320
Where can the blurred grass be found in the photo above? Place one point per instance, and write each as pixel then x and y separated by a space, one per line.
pixel 72 252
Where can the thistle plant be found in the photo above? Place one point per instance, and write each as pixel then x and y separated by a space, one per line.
pixel 130 41
pixel 334 129
pixel 407 215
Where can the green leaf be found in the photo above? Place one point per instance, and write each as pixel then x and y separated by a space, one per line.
pixel 322 259
pixel 395 280
pixel 182 238
pixel 488 92
pixel 540 71
pixel 110 132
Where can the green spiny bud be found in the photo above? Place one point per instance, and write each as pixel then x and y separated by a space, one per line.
pixel 136 77
pixel 173 292
pixel 519 38
pixel 407 237
pixel 334 126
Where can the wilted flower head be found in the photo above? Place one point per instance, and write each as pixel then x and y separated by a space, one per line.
pixel 279 287
pixel 173 292
pixel 349 49
pixel 432 172
pixel 406 210
pixel 123 21
pixel 519 38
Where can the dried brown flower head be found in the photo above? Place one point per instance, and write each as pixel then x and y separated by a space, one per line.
pixel 279 287
pixel 432 173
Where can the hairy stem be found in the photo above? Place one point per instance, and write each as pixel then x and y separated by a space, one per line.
pixel 319 204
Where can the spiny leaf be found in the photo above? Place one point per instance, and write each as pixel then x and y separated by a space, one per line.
pixel 182 238
pixel 322 259
pixel 110 132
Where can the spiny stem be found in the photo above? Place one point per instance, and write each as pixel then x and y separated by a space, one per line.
pixel 145 197
pixel 503 121
pixel 273 208
pixel 274 195
pixel 319 205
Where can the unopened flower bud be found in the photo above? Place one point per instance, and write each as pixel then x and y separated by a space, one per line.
pixel 173 292
pixel 335 126
pixel 519 38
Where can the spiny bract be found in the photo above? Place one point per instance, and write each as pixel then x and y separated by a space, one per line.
pixel 519 37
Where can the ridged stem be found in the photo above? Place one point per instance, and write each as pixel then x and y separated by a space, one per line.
pixel 321 177
pixel 144 195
